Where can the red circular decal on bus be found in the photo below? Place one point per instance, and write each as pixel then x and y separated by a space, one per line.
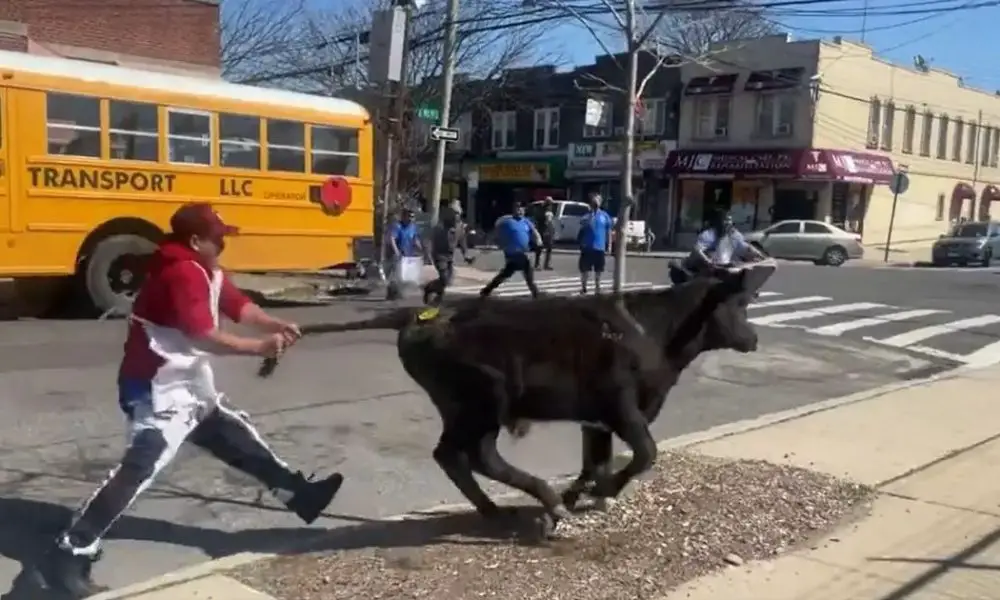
pixel 335 196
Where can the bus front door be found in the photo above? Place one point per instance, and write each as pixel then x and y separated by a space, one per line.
pixel 5 166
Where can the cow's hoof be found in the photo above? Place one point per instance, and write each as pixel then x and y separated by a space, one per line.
pixel 546 527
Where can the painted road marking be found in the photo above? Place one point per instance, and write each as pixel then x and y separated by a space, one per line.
pixel 839 328
pixel 911 338
pixel 778 319
pixel 790 301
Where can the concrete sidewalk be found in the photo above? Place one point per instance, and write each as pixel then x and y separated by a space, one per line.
pixel 934 533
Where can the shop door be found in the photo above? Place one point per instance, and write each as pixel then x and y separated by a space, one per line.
pixel 793 204
pixel 5 165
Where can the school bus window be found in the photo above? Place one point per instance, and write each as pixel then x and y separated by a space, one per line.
pixel 239 141
pixel 189 137
pixel 73 125
pixel 134 130
pixel 286 146
pixel 334 151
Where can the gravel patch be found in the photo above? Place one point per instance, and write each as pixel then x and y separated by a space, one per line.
pixel 693 515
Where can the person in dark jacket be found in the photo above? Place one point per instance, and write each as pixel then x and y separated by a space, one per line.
pixel 447 236
pixel 546 226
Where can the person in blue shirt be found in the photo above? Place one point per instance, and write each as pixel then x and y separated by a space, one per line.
pixel 595 243
pixel 404 241
pixel 515 235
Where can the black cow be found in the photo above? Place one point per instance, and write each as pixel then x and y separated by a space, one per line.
pixel 488 364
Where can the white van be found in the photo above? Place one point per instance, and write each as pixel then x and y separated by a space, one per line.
pixel 567 215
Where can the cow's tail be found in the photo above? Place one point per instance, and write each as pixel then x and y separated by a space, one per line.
pixel 394 319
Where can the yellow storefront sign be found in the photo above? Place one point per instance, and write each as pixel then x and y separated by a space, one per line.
pixel 515 172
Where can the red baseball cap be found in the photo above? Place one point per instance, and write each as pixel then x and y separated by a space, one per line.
pixel 200 219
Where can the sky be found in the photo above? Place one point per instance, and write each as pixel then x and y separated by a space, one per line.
pixel 959 41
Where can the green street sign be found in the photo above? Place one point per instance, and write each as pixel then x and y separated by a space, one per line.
pixel 428 113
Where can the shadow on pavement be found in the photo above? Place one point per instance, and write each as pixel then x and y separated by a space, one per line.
pixel 28 526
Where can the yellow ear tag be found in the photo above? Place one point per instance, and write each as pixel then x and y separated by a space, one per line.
pixel 428 314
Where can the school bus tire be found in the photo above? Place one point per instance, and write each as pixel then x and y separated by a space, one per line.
pixel 104 263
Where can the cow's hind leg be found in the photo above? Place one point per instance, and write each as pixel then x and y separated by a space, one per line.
pixel 597 454
pixel 631 426
pixel 451 455
pixel 487 461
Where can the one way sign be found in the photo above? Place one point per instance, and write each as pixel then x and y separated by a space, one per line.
pixel 445 134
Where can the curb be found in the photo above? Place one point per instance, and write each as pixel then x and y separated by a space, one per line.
pixel 718 432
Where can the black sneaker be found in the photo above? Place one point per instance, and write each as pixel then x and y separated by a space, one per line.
pixel 311 498
pixel 63 572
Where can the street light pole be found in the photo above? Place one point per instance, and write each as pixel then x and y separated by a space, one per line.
pixel 447 83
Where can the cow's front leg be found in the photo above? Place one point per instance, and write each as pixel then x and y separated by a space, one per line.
pixel 630 425
pixel 596 459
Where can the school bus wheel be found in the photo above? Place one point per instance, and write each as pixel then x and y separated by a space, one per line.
pixel 115 269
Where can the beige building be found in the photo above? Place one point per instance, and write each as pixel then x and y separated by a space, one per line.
pixel 775 129
pixel 944 135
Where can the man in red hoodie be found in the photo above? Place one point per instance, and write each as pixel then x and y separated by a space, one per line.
pixel 167 390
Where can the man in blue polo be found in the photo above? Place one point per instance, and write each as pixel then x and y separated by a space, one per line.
pixel 404 241
pixel 515 234
pixel 595 242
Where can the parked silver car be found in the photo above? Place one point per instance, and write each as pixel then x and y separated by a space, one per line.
pixel 976 242
pixel 820 242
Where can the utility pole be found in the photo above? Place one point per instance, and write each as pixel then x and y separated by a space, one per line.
pixel 628 159
pixel 447 82
pixel 975 168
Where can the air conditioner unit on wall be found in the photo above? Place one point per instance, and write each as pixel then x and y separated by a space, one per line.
pixel 784 129
pixel 721 132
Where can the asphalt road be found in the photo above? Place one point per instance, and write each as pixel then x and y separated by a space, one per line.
pixel 338 402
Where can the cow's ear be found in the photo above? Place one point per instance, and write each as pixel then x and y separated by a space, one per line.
pixel 753 277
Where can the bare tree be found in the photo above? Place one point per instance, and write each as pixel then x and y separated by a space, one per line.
pixel 256 37
pixel 331 58
pixel 692 33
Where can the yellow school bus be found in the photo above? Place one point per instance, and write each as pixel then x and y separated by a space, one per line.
pixel 95 158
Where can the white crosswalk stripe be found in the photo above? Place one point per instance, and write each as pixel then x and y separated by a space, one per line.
pixel 557 286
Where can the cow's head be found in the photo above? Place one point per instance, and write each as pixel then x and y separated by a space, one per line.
pixel 727 326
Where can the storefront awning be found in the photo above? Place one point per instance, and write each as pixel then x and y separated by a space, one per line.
pixel 820 164
pixel 716 84
pixel 777 79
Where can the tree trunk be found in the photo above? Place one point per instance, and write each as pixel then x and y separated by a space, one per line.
pixel 628 159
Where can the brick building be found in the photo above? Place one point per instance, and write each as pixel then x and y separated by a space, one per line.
pixel 180 36
pixel 526 139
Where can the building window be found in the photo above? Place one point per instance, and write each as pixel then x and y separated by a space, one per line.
pixel 603 128
pixel 775 115
pixel 286 146
pixel 909 124
pixel 995 153
pixel 970 146
pixel 925 134
pixel 942 142
pixel 546 128
pixel 73 125
pixel 956 146
pixel 986 138
pixel 939 215
pixel 239 141
pixel 464 126
pixel 888 121
pixel 652 117
pixel 134 131
pixel 874 123
pixel 712 117
pixel 189 136
pixel 504 130
pixel 334 151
